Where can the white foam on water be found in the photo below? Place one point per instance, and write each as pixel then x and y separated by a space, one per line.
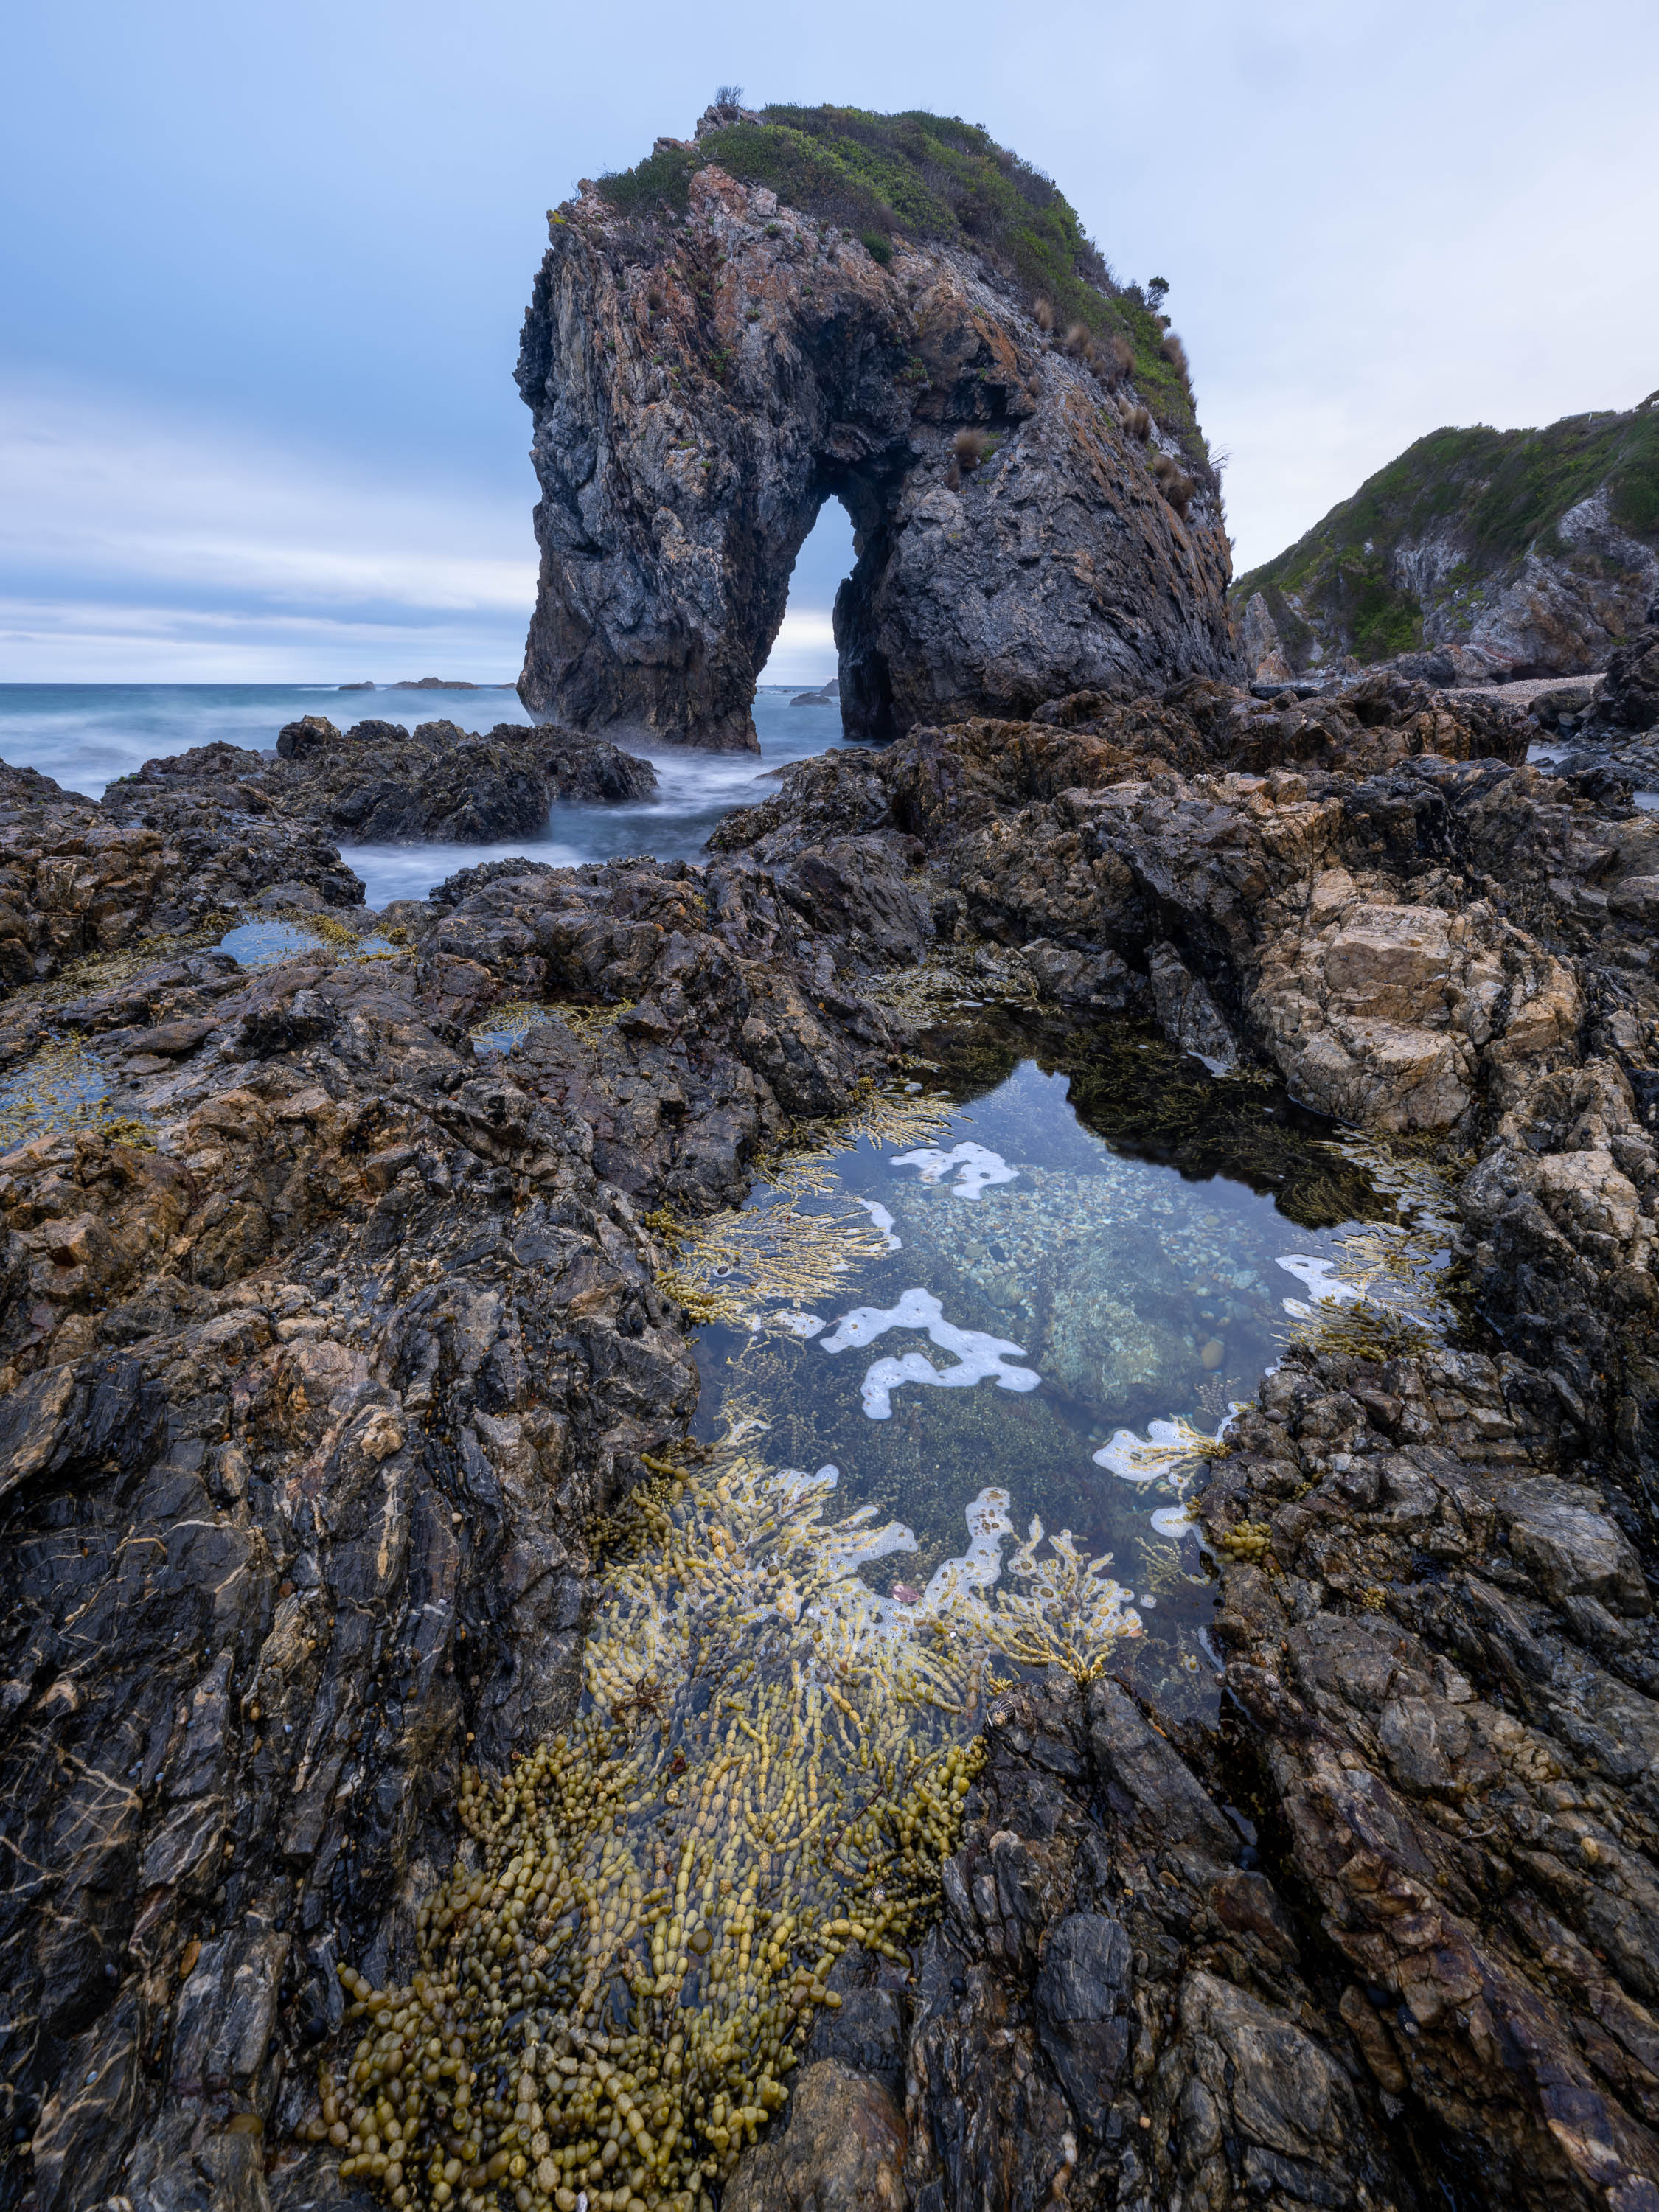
pixel 954 1585
pixel 883 1221
pixel 1322 1283
pixel 1166 1447
pixel 978 1357
pixel 972 1166
pixel 797 1324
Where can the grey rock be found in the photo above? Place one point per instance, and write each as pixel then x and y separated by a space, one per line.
pixel 1554 588
pixel 1083 1992
pixel 1627 702
pixel 378 781
pixel 1571 1548
pixel 868 2033
pixel 827 695
pixel 684 451
pixel 1187 1014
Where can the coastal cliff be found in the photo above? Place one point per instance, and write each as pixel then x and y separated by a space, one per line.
pixel 709 355
pixel 1494 553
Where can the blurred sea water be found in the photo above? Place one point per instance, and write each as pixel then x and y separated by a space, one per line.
pixel 85 735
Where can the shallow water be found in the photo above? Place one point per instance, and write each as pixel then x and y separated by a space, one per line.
pixel 85 735
pixel 1013 1306
pixel 264 941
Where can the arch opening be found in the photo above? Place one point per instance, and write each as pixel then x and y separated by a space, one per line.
pixel 803 653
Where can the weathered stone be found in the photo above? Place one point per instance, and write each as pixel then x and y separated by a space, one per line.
pixel 842 2149
pixel 686 447
pixel 379 782
pixel 1628 699
pixel 348 1366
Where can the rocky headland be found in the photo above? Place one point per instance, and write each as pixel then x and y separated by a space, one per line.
pixel 327 1339
pixel 895 312
pixel 1480 553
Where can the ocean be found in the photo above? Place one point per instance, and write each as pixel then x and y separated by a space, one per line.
pixel 85 735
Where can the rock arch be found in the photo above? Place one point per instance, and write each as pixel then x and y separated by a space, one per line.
pixel 700 386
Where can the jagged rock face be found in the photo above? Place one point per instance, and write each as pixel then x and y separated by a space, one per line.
pixel 376 781
pixel 700 387
pixel 1629 701
pixel 304 1415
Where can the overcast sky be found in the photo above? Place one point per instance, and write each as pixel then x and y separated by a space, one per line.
pixel 263 268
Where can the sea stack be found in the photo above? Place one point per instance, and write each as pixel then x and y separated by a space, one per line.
pixel 708 356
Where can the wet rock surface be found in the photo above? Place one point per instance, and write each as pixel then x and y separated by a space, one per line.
pixel 377 782
pixel 317 1356
pixel 1628 701
pixel 700 386
pixel 79 879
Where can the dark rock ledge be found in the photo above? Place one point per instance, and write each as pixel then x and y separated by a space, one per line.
pixel 378 783
pixel 302 1416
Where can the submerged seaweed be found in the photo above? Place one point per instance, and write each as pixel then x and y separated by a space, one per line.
pixel 776 1737
pixel 510 1023
pixel 265 940
pixel 64 1087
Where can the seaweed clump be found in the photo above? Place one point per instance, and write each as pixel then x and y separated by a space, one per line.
pixel 608 2005
pixel 770 1767
pixel 64 1087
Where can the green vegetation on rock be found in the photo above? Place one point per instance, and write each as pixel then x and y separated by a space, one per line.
pixel 930 179
pixel 1495 495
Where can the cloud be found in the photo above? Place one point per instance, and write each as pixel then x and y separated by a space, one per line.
pixel 134 549
pixel 131 546
pixel 805 651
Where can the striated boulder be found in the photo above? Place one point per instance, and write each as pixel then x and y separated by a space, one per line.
pixel 701 384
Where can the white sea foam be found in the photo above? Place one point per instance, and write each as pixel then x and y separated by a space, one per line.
pixel 1165 1449
pixel 978 1357
pixel 1321 1283
pixel 797 1324
pixel 972 1166
pixel 883 1221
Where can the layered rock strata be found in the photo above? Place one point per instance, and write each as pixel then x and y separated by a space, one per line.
pixel 699 388
pixel 305 1411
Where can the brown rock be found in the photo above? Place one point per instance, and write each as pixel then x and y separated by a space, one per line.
pixel 842 2149
pixel 684 453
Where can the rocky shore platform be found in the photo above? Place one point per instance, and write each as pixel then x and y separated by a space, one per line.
pixel 326 1337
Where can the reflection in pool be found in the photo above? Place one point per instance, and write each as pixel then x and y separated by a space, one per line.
pixel 999 1304
pixel 960 1361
